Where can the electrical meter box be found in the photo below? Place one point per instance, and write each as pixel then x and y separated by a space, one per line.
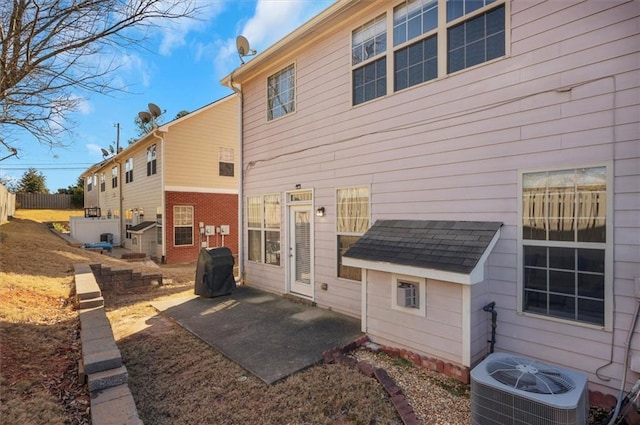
pixel 209 230
pixel 224 229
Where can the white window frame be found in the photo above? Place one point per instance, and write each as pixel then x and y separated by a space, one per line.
pixel 128 166
pixel 442 50
pixel 103 182
pixel 114 177
pixel 226 155
pixel 271 106
pixel 263 229
pixel 345 233
pixel 366 30
pixel 607 246
pixel 421 287
pixel 192 225
pixel 152 160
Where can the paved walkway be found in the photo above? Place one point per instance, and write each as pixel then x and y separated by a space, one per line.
pixel 262 332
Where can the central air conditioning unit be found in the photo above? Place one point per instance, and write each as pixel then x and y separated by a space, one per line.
pixel 508 389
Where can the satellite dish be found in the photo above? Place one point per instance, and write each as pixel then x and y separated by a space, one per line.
pixel 243 47
pixel 155 110
pixel 144 116
pixel 104 152
pixel 111 150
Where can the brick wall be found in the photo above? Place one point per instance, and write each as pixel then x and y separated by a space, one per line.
pixel 209 208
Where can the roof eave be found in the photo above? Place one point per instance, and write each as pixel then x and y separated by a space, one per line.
pixel 289 40
pixel 476 275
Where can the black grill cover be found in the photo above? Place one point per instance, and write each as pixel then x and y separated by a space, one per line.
pixel 214 273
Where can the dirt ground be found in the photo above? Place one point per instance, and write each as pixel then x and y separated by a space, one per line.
pixel 175 378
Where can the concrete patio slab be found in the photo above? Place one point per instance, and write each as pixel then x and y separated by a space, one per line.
pixel 262 332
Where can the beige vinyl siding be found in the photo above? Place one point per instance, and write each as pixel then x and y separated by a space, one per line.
pixel 452 148
pixel 192 148
pixel 145 191
pixel 438 334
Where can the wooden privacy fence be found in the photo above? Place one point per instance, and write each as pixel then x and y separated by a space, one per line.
pixel 48 201
pixel 7 204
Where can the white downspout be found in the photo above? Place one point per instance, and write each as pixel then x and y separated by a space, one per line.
pixel 162 196
pixel 238 90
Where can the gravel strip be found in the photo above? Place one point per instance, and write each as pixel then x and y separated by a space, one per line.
pixel 436 399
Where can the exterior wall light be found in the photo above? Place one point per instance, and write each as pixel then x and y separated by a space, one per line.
pixel 320 212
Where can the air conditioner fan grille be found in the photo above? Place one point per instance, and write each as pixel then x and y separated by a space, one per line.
pixel 529 375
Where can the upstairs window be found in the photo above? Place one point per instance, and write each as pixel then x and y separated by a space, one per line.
pixel 281 93
pixel 477 39
pixel 90 184
pixel 103 182
pixel 114 177
pixel 128 167
pixel 417 62
pixel 566 253
pixel 430 39
pixel 151 160
pixel 368 45
pixel 226 162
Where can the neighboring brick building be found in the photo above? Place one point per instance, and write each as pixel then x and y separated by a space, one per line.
pixel 182 177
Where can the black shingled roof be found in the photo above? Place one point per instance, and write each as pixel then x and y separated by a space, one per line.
pixel 453 246
pixel 142 226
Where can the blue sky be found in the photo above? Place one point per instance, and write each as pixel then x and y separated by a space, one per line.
pixel 178 69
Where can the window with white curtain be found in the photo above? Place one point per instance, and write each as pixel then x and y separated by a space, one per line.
pixel 352 221
pixel 565 251
pixel 263 224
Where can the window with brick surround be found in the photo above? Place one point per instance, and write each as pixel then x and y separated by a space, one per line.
pixel 182 225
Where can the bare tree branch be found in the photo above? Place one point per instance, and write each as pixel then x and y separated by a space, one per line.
pixel 53 51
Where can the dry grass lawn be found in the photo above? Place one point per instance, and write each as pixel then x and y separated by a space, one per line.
pixel 175 378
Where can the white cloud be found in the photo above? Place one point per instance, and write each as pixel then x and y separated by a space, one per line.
pixel 271 21
pixel 94 150
pixel 175 31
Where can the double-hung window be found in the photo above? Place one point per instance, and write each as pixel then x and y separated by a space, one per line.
pixel 128 168
pixel 151 160
pixel 225 162
pixel 182 225
pixel 415 24
pixel 430 39
pixel 263 226
pixel 565 244
pixel 352 221
pixel 369 72
pixel 479 38
pixel 90 184
pixel 281 93
pixel 114 177
pixel 103 182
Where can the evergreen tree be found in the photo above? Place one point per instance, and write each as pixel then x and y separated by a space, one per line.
pixel 32 181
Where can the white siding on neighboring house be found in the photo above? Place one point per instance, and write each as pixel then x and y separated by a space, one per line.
pixel 567 95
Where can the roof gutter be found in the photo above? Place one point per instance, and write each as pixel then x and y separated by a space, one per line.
pixel 289 41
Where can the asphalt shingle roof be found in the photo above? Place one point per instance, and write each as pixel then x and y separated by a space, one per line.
pixel 142 226
pixel 453 246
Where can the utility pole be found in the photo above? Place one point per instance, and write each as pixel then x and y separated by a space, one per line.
pixel 117 125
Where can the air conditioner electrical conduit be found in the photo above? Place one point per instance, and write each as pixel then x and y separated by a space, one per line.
pixel 627 346
pixel 490 308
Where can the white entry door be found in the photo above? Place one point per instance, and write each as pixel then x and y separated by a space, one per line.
pixel 300 250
